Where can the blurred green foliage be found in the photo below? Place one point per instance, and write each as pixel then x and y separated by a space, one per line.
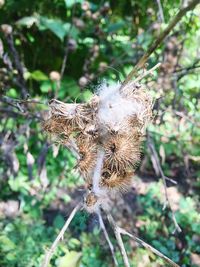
pixel 101 40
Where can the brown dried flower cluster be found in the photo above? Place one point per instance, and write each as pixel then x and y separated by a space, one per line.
pixel 112 122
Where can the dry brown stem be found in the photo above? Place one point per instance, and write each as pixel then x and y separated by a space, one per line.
pixel 60 236
pixel 102 225
pixel 164 178
pixel 120 231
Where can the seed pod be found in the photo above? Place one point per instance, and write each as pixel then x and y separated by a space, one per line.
pixel 77 114
pixel 59 127
pixel 121 152
pixel 113 123
pixel 102 66
pixel 91 199
pixel 116 181
pixel 88 156
pixel 6 29
pixel 54 76
pixel 83 81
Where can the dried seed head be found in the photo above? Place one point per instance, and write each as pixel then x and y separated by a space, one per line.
pixel 107 133
pixel 91 199
pixel 79 115
pixel 139 95
pixel 59 108
pixel 6 29
pixel 121 151
pixel 92 130
pixel 134 123
pixel 83 81
pixel 116 181
pixel 54 76
pixel 88 156
pixel 59 126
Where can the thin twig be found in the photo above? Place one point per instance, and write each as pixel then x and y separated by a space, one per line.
pixel 18 65
pixel 102 225
pixel 66 52
pixel 159 40
pixel 161 14
pixel 60 236
pixel 167 201
pixel 119 239
pixel 120 231
pixel 146 73
pixel 147 246
pixel 67 44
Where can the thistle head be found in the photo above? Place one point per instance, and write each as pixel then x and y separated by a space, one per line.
pixel 114 122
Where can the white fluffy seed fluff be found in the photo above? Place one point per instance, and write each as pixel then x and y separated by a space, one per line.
pixel 115 108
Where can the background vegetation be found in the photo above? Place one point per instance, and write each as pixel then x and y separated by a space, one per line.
pixel 65 49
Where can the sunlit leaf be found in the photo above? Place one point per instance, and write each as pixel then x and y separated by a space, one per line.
pixel 71 259
pixel 28 21
pixel 70 3
pixel 56 26
pixel 38 76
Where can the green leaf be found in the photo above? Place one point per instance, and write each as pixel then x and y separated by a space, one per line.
pixel 6 243
pixel 46 87
pixel 115 26
pixel 69 87
pixel 59 221
pixel 70 3
pixel 28 21
pixel 12 93
pixel 71 259
pixel 39 76
pixel 56 26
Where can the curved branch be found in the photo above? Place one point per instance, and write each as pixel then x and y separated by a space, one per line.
pixel 159 40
